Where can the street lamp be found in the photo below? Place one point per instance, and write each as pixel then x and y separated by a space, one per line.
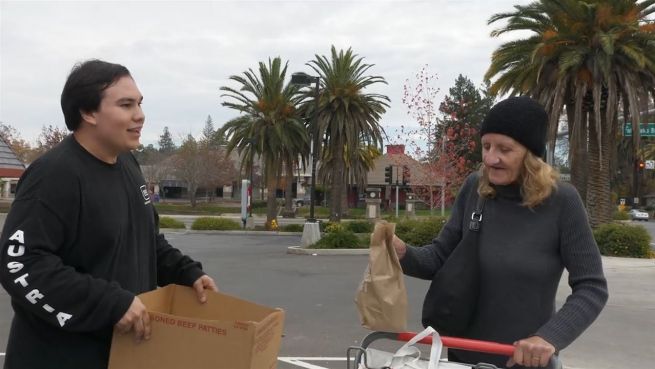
pixel 304 79
pixel 253 142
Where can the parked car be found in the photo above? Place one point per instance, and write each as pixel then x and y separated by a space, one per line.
pixel 636 214
pixel 299 202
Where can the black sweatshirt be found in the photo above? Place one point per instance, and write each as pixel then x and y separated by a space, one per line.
pixel 80 241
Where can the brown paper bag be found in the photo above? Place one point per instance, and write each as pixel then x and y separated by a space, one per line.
pixel 382 298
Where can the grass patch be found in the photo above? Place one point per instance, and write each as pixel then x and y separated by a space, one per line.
pixel 202 208
pixel 168 222
pixel 292 228
pixel 215 224
pixel 319 212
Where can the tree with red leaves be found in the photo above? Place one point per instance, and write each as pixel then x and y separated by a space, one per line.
pixel 446 141
pixel 462 111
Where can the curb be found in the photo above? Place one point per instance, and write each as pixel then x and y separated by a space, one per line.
pixel 249 233
pixel 299 250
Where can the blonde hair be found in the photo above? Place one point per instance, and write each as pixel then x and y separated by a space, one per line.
pixel 538 181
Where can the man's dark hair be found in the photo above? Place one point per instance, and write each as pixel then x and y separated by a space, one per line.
pixel 85 86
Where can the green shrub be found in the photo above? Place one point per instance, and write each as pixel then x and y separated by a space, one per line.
pixel 168 222
pixel 391 218
pixel 419 232
pixel 339 240
pixel 331 227
pixel 292 228
pixel 623 240
pixel 405 227
pixel 621 215
pixel 365 240
pixel 215 224
pixel 359 226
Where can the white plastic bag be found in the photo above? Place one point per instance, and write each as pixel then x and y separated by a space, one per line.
pixel 409 356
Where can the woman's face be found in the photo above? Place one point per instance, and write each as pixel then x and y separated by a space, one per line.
pixel 503 157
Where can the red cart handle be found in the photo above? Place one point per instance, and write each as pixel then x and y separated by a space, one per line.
pixel 465 344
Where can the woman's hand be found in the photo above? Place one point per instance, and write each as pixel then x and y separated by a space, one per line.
pixel 399 246
pixel 531 352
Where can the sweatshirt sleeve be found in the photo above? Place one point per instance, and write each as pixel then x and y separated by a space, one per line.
pixel 33 273
pixel 172 265
pixel 424 262
pixel 582 260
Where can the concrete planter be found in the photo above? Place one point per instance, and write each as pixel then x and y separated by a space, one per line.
pixel 299 250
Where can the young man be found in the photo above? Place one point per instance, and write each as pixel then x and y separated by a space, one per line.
pixel 82 237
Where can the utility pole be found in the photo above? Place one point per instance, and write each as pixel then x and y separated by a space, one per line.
pixel 397 183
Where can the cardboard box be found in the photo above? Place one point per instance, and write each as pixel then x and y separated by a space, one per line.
pixel 224 333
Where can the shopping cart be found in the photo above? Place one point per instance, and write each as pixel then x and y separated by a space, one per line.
pixel 359 353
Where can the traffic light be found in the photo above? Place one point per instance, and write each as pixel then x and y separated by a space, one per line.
pixel 641 165
pixel 388 174
pixel 406 175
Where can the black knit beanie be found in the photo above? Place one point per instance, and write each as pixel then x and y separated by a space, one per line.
pixel 520 118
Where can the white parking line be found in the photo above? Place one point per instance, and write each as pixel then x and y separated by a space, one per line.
pixel 297 361
pixel 302 361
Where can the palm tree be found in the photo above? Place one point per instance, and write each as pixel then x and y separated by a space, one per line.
pixel 590 57
pixel 270 127
pixel 357 167
pixel 347 116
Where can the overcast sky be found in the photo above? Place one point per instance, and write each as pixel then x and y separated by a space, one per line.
pixel 181 52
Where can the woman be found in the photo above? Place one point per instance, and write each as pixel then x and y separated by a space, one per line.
pixel 533 227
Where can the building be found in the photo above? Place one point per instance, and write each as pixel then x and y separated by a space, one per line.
pixel 418 176
pixel 163 181
pixel 11 168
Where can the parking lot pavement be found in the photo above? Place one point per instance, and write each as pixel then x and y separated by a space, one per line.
pixel 317 294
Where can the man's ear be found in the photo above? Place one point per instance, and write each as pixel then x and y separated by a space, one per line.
pixel 88 116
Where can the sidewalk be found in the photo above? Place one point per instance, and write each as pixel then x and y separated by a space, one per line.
pixel 623 336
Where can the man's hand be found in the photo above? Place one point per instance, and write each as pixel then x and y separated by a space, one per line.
pixel 531 352
pixel 204 283
pixel 399 246
pixel 135 319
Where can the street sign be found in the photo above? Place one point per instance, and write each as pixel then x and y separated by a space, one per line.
pixel 645 130
pixel 650 164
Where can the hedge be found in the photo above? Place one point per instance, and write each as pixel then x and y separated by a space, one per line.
pixel 419 232
pixel 621 215
pixel 215 224
pixel 340 240
pixel 359 226
pixel 168 222
pixel 623 240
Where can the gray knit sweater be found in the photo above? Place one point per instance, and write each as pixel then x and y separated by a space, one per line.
pixel 522 255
